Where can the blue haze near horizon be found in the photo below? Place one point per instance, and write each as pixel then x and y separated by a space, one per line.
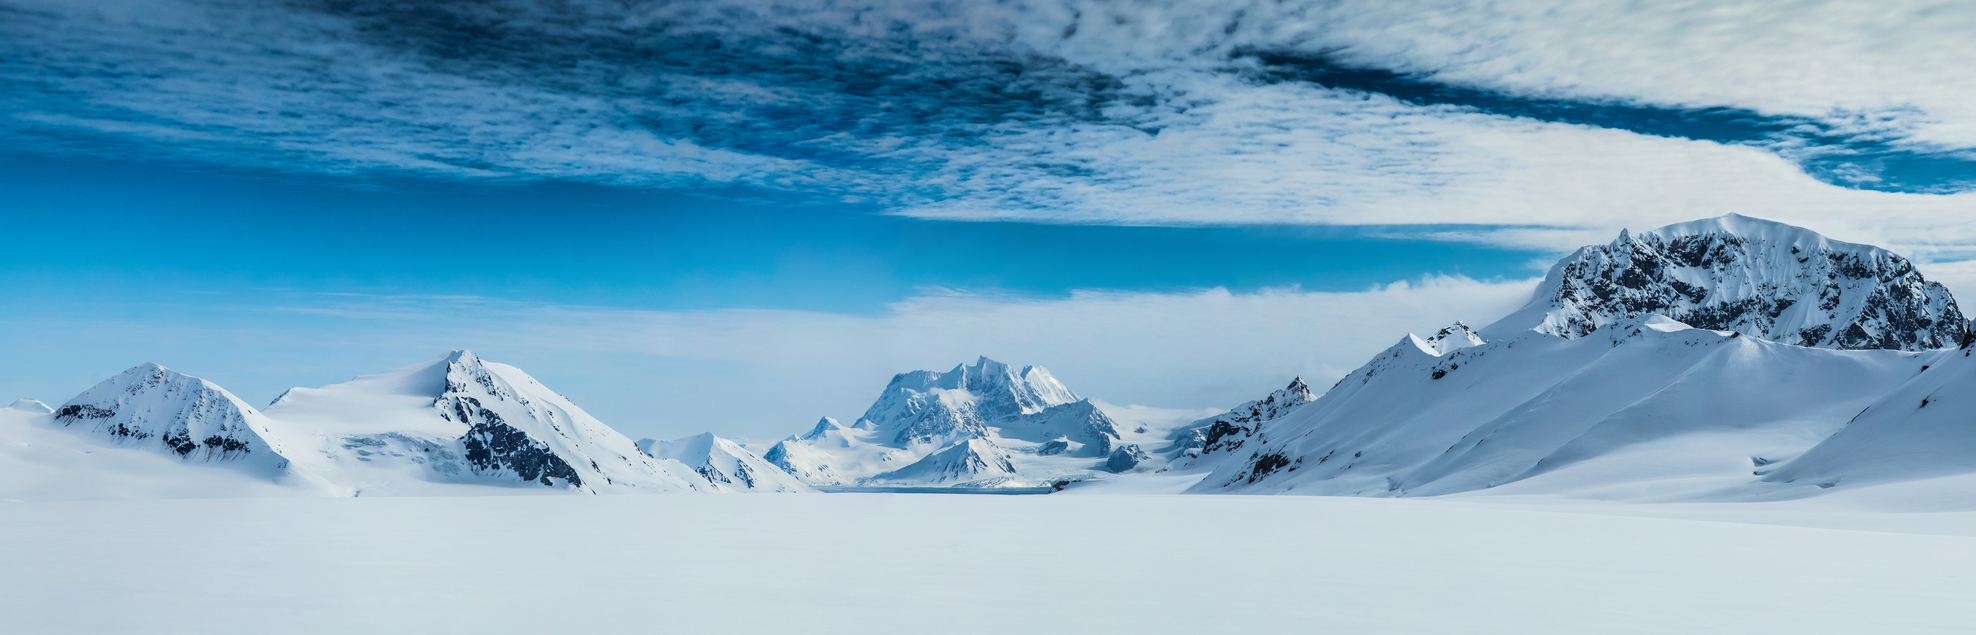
pixel 105 252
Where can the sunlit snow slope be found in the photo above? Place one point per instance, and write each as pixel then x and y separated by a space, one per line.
pixel 453 424
pixel 1594 390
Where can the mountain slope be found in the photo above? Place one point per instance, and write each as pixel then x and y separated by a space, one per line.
pixel 1591 389
pixel 456 419
pixel 970 462
pixel 42 460
pixel 194 420
pixel 1924 429
pixel 1226 432
pixel 724 463
pixel 1736 273
pixel 30 405
pixel 1535 405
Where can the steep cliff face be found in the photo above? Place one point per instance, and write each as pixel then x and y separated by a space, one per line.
pixel 1734 273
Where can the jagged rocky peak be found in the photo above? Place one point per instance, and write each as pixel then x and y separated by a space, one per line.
pixel 191 418
pixel 30 405
pixel 1448 339
pixel 925 407
pixel 1227 431
pixel 1735 273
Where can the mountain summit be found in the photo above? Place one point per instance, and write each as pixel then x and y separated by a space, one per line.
pixel 1735 273
pixel 986 424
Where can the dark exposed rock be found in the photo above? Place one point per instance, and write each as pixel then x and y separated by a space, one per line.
pixel 492 445
pixel 1125 458
pixel 1767 279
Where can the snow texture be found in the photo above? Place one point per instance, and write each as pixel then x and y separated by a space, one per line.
pixel 878 564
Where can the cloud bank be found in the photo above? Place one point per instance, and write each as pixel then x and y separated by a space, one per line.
pixel 1177 112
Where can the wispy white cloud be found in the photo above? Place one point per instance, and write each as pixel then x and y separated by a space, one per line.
pixel 1066 112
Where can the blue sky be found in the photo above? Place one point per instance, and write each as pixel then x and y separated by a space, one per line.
pixel 661 209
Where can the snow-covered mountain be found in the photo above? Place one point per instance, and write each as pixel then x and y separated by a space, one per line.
pixel 1926 428
pixel 1752 276
pixel 162 410
pixel 1591 389
pixel 30 405
pixel 958 427
pixel 967 463
pixel 725 464
pixel 925 407
pixel 800 457
pixel 456 419
pixel 453 424
pixel 1226 432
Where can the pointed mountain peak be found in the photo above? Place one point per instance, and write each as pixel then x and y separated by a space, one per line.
pixel 185 416
pixel 963 462
pixel 30 405
pixel 463 357
pixel 823 425
pixel 1453 338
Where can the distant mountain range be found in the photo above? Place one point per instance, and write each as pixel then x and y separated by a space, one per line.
pixel 1723 359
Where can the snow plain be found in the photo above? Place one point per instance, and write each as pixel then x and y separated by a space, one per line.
pixel 1072 562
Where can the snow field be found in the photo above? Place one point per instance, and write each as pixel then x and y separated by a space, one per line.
pixel 886 563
